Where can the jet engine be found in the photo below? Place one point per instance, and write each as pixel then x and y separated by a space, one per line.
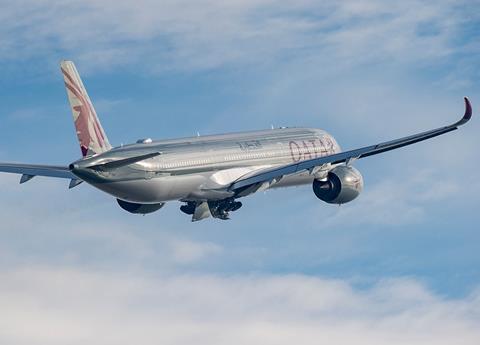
pixel 139 208
pixel 343 184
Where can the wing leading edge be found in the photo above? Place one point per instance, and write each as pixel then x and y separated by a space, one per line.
pixel 276 173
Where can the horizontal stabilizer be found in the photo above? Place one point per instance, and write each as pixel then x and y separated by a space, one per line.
pixel 30 170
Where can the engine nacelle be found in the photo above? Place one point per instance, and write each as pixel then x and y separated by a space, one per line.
pixel 139 208
pixel 343 184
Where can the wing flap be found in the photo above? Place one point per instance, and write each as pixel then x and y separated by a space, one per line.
pixel 271 174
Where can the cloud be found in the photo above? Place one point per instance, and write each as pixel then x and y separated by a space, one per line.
pixel 182 35
pixel 54 305
pixel 308 57
pixel 396 200
pixel 186 251
pixel 86 227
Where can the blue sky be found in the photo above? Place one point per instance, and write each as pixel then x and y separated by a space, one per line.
pixel 287 267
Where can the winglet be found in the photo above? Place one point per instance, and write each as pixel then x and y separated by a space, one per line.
pixel 468 113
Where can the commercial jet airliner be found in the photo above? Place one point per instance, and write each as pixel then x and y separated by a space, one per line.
pixel 209 174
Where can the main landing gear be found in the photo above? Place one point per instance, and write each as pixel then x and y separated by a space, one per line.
pixel 218 209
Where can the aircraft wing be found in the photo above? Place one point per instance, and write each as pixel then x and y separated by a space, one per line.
pixel 30 170
pixel 278 172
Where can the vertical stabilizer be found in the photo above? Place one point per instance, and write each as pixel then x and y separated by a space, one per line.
pixel 91 136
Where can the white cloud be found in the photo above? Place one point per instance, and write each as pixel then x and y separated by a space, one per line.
pixel 187 251
pixel 210 33
pixel 43 222
pixel 396 200
pixel 65 305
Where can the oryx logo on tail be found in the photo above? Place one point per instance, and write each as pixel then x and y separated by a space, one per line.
pixel 90 133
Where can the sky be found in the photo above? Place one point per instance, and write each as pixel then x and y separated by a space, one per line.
pixel 399 264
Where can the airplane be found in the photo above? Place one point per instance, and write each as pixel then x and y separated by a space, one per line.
pixel 208 174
